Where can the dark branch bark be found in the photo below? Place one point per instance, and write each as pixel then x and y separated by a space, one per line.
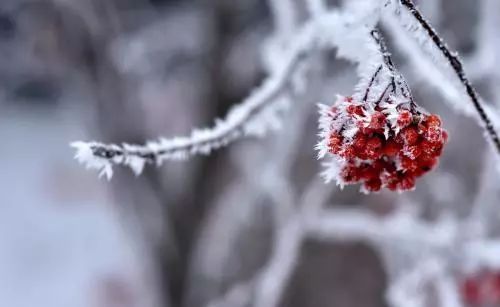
pixel 457 66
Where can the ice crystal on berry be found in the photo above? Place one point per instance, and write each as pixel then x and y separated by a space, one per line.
pixel 380 145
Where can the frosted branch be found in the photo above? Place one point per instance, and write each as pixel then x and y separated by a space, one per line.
pixel 401 226
pixel 424 33
pixel 253 116
pixel 407 290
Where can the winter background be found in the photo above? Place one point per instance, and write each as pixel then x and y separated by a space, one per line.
pixel 252 224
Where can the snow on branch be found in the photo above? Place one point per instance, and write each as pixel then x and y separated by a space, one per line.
pixel 432 43
pixel 402 225
pixel 254 116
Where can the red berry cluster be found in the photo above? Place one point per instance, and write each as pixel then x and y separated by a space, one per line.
pixel 385 145
pixel 482 288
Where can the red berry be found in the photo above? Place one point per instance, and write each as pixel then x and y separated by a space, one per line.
pixel 412 152
pixel 427 148
pixel 348 152
pixel 409 135
pixel 369 172
pixel 377 121
pixel 433 121
pixel 409 165
pixel 404 119
pixel 362 155
pixel 407 183
pixel 391 180
pixel 373 148
pixel 359 141
pixel 352 109
pixel 426 163
pixel 433 134
pixel 373 185
pixel 378 165
pixel 496 286
pixel 350 174
pixel 470 291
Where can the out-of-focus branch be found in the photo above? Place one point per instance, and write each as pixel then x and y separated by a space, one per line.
pixel 266 287
pixel 400 226
pixel 285 16
pixel 408 288
pixel 482 63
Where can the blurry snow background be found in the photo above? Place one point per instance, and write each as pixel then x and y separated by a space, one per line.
pixel 183 235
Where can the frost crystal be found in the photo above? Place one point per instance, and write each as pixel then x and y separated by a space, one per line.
pixel 85 155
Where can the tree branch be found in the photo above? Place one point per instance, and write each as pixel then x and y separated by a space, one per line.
pixel 457 67
pixel 241 120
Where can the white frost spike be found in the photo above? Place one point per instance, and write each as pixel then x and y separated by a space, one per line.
pixel 134 162
pixel 85 155
pixel 325 122
pixel 331 171
pixel 350 132
pixel 386 132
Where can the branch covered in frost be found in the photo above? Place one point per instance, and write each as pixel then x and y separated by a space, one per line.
pixel 425 33
pixel 254 116
pixel 266 287
pixel 407 290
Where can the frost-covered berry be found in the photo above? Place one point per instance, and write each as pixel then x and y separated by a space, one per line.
pixel 433 121
pixel 405 118
pixel 413 151
pixel 359 142
pixel 482 288
pixel 335 144
pixel 355 109
pixel 391 148
pixel 433 134
pixel 410 135
pixel 378 148
pixel 377 121
pixel 373 148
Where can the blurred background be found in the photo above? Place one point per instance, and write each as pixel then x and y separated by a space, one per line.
pixel 199 233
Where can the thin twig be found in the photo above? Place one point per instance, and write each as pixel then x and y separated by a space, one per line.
pixel 457 66
pixel 383 49
pixel 104 156
pixel 367 92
